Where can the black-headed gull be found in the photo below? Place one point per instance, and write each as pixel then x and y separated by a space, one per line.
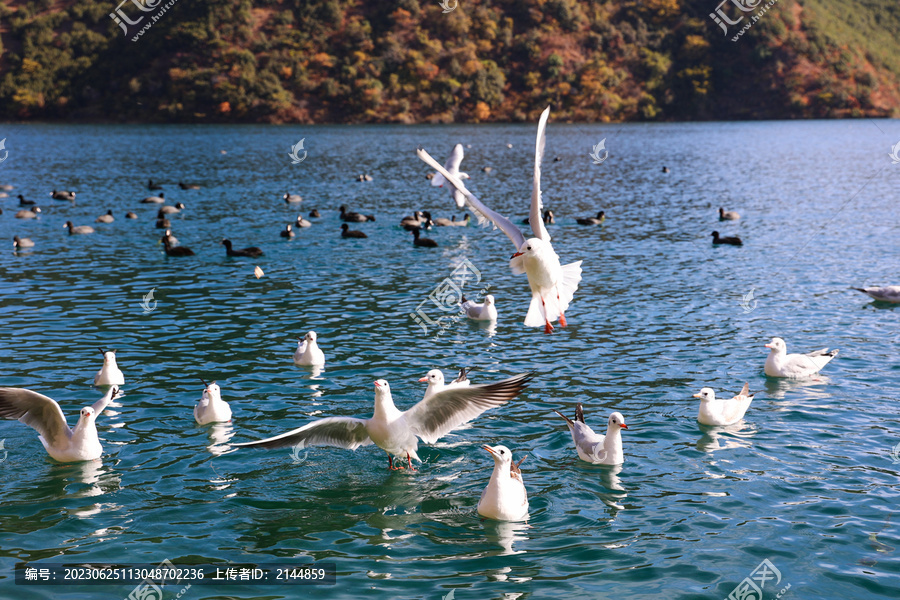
pixel 484 311
pixel 395 431
pixel 888 293
pixel 44 415
pixel 211 408
pixel 308 352
pixel 552 285
pixel 109 373
pixel 504 498
pixel 781 364
pixel 452 167
pixel 593 447
pixel 435 379
pixel 723 412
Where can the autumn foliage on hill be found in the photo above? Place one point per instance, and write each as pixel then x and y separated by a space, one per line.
pixel 406 61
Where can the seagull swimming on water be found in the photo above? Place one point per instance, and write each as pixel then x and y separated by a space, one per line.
pixel 211 408
pixel 781 364
pixel 504 498
pixel 593 447
pixel 723 412
pixel 552 284
pixel 109 373
pixel 396 431
pixel 308 352
pixel 44 415
pixel 888 293
pixel 435 379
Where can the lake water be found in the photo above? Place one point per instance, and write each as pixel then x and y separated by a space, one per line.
pixel 807 481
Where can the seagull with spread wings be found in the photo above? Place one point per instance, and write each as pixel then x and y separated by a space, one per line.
pixel 452 167
pixel 396 431
pixel 44 415
pixel 552 285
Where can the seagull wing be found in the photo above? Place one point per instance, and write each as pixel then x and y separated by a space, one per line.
pixel 535 217
pixel 39 412
pixel 446 410
pixel 481 211
pixel 455 160
pixel 341 432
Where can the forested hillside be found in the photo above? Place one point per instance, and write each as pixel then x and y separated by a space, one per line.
pixel 406 61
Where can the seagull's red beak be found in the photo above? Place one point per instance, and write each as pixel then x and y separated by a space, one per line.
pixel 489 449
pixel 623 426
pixel 768 345
pixel 377 384
pixel 423 380
pixel 516 254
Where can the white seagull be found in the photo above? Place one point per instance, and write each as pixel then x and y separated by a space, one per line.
pixel 504 498
pixel 109 373
pixel 44 415
pixel 485 311
pixel 723 412
pixel 395 431
pixel 552 285
pixel 781 364
pixel 211 408
pixel 435 379
pixel 308 352
pixel 452 167
pixel 593 447
pixel 888 293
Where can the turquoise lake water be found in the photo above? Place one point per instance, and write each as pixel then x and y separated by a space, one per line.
pixel 807 481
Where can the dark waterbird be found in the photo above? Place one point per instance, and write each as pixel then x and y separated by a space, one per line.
pixel 252 251
pixel 175 250
pixel 350 233
pixel 730 240
pixel 423 242
pixel 24 202
pixel 188 186
pixel 152 186
pixel 598 220
pixel 354 217
pixel 288 231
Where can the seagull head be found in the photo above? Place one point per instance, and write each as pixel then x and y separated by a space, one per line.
pixel 109 356
pixel 706 395
pixel 311 336
pixel 381 386
pixel 777 346
pixel 87 413
pixel 618 420
pixel 213 391
pixel 433 377
pixel 530 248
pixel 502 455
pixel 489 300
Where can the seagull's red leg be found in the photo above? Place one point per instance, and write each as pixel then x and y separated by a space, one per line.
pixel 562 317
pixel 409 460
pixel 548 328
